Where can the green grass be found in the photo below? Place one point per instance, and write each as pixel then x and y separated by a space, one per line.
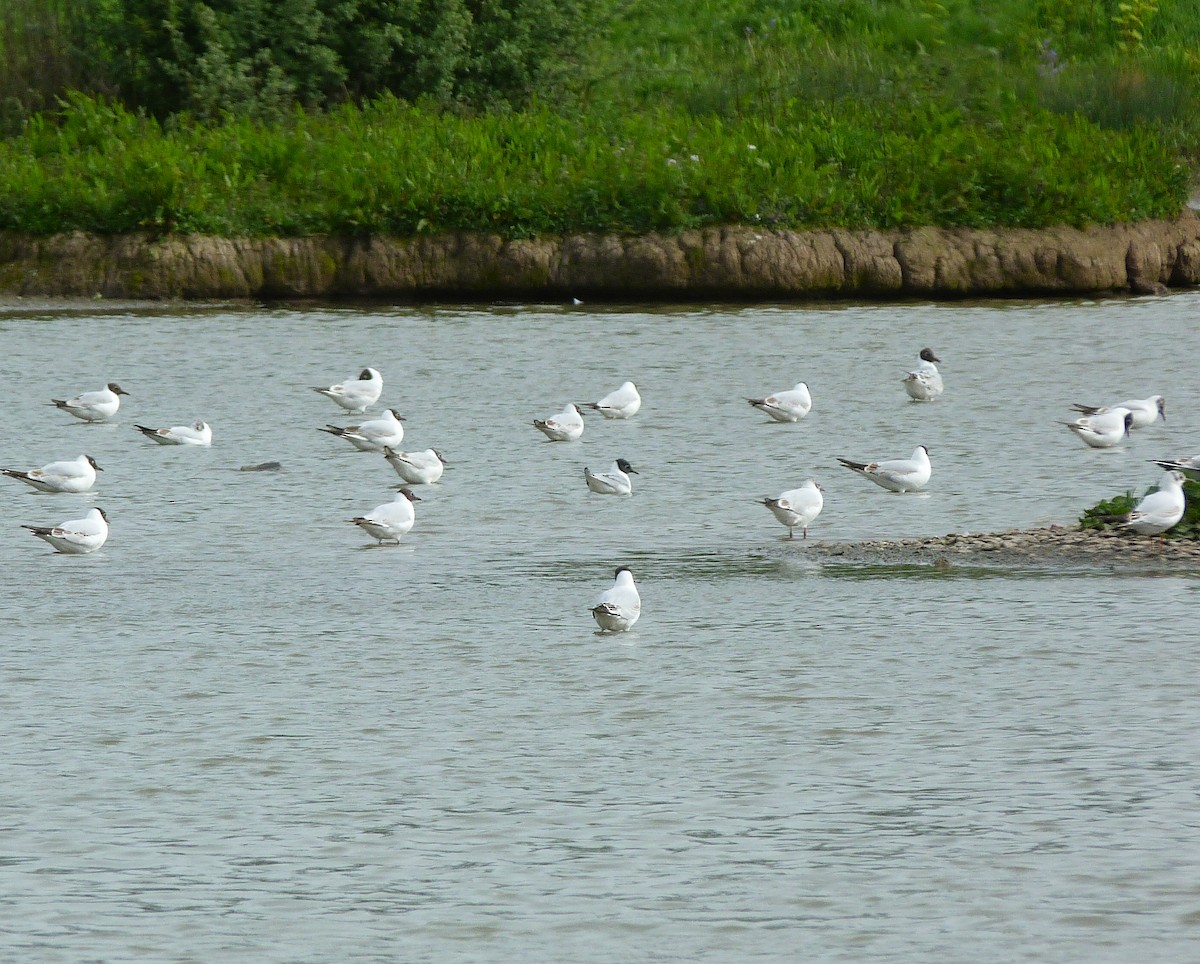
pixel 797 113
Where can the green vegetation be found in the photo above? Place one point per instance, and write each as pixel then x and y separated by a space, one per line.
pixel 1108 513
pixel 532 116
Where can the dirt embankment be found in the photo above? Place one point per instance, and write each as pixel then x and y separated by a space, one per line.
pixel 718 263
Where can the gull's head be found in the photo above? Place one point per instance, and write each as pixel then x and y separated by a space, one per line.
pixel 1128 421
pixel 92 463
pixel 396 413
pixel 624 466
pixel 367 374
pixel 928 355
pixel 1162 406
pixel 439 456
pixel 620 569
pixel 102 513
pixel 409 493
pixel 116 389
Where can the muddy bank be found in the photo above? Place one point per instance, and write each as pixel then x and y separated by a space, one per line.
pixel 721 263
pixel 1054 547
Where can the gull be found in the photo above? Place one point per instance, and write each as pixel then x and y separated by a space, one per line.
pixel 1161 509
pixel 789 406
pixel 1103 430
pixel 566 426
pixel 899 475
pixel 77 536
pixel 613 482
pixel 1189 466
pixel 198 433
pixel 392 519
pixel 618 608
pixel 416 468
pixel 622 403
pixel 358 395
pixel 373 436
pixel 1146 411
pixel 924 383
pixel 797 507
pixel 98 406
pixel 73 475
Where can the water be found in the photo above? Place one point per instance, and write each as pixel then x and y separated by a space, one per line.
pixel 241 732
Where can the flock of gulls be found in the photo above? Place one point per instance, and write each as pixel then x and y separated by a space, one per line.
pixel 618 608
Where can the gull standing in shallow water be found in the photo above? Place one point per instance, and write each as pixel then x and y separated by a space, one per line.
pixel 358 395
pixel 198 433
pixel 797 507
pixel 77 536
pixel 618 608
pixel 392 519
pixel 924 382
pixel 789 406
pixel 1161 509
pixel 1146 411
pixel 416 468
pixel 899 475
pixel 615 481
pixel 373 436
pixel 73 475
pixel 98 406
pixel 622 403
pixel 1103 430
pixel 566 426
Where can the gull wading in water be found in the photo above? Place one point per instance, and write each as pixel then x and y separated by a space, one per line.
pixel 898 475
pixel 797 507
pixel 618 608
pixel 566 426
pixel 98 406
pixel 1103 430
pixel 373 436
pixel 1146 411
pixel 416 468
pixel 615 481
pixel 924 382
pixel 358 395
pixel 77 536
pixel 622 403
pixel 392 519
pixel 74 475
pixel 789 406
pixel 1161 509
pixel 198 433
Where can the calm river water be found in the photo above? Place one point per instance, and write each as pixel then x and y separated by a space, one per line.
pixel 241 732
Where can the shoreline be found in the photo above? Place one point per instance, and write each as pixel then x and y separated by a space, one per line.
pixel 1052 547
pixel 725 263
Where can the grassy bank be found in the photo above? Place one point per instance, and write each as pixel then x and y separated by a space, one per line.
pixel 849 113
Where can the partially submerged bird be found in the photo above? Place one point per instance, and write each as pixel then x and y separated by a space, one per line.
pixel 797 507
pixel 615 481
pixel 392 519
pixel 898 475
pixel 924 382
pixel 566 426
pixel 71 475
pixel 789 406
pixel 98 406
pixel 198 433
pixel 373 436
pixel 622 403
pixel 416 468
pixel 1146 411
pixel 78 536
pixel 1104 429
pixel 358 395
pixel 1161 509
pixel 618 608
